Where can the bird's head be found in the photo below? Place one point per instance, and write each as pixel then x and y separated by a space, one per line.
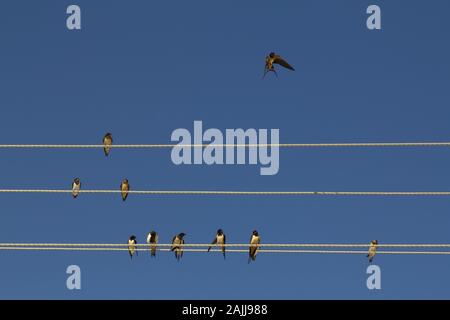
pixel 76 180
pixel 125 181
pixel 220 232
pixel 374 241
pixel 181 235
pixel 133 237
pixel 153 233
pixel 272 54
pixel 255 233
pixel 108 135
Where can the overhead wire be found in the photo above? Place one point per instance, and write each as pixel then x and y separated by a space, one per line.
pixel 247 145
pixel 240 192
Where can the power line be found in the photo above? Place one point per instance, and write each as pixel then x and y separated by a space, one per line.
pixel 292 245
pixel 279 145
pixel 217 250
pixel 242 193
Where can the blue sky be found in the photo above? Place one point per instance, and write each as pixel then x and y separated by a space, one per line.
pixel 141 69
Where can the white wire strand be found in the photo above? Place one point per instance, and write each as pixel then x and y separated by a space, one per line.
pixel 249 145
pixel 248 193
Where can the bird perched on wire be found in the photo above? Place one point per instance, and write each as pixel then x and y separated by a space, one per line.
pixel 372 250
pixel 219 240
pixel 124 188
pixel 272 59
pixel 152 240
pixel 177 245
pixel 76 185
pixel 107 142
pixel 255 240
pixel 132 246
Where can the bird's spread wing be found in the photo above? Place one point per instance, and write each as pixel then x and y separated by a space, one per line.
pixel 282 62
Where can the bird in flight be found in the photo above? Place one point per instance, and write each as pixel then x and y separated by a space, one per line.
pixel 272 59
pixel 124 188
pixel 255 240
pixel 76 185
pixel 107 142
pixel 177 245
pixel 219 240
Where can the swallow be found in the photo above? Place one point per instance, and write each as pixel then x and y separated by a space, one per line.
pixel 107 142
pixel 132 246
pixel 220 240
pixel 372 250
pixel 76 185
pixel 124 188
pixel 152 240
pixel 272 59
pixel 255 240
pixel 177 245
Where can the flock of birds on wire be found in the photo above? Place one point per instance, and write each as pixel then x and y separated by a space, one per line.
pixel 219 241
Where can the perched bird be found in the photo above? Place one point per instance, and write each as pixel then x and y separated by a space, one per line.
pixel 177 245
pixel 219 240
pixel 372 250
pixel 124 188
pixel 272 59
pixel 255 240
pixel 132 246
pixel 76 185
pixel 152 240
pixel 107 142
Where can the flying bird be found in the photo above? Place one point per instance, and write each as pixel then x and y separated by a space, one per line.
pixel 219 240
pixel 372 250
pixel 132 246
pixel 177 245
pixel 124 188
pixel 76 185
pixel 107 142
pixel 255 240
pixel 152 240
pixel 272 59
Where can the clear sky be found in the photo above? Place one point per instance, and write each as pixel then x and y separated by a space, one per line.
pixel 140 69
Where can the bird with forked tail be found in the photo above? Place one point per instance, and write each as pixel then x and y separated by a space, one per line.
pixel 219 240
pixel 255 240
pixel 272 59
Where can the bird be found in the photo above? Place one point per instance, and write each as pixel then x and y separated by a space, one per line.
pixel 255 240
pixel 177 245
pixel 220 240
pixel 152 240
pixel 76 185
pixel 107 142
pixel 272 59
pixel 124 188
pixel 132 246
pixel 372 250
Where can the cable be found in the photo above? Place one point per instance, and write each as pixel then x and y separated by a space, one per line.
pixel 280 145
pixel 291 245
pixel 249 193
pixel 231 250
